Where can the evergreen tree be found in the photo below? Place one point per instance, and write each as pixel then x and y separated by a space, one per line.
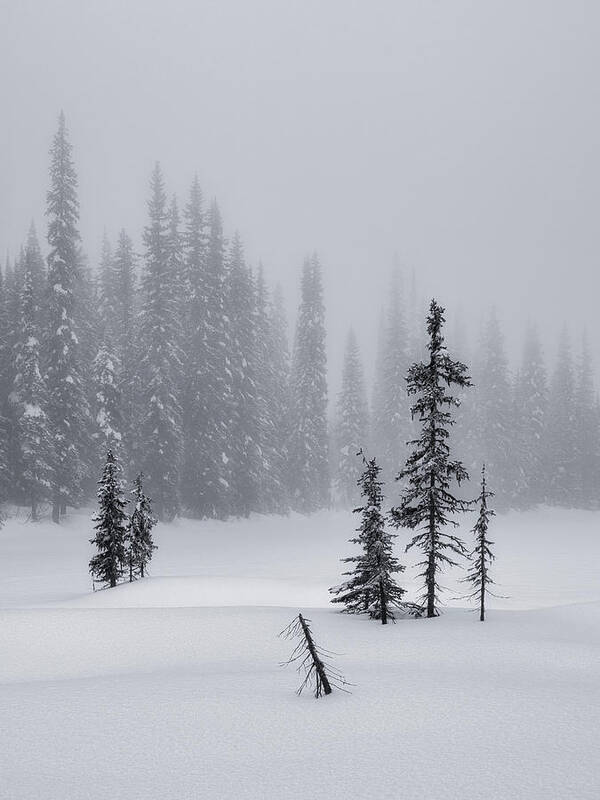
pixel 482 556
pixel 5 377
pixel 108 298
pixel 426 502
pixel 107 400
pixel 106 566
pixel 160 359
pixel 308 457
pixel 529 420
pixel 243 429
pixel 560 429
pixel 391 417
pixel 206 473
pixel 371 587
pixel 29 401
pixel 272 373
pixel 139 542
pixel 351 427
pixel 67 405
pixel 125 342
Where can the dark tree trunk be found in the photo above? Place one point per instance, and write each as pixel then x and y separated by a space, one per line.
pixel 130 571
pixel 431 585
pixel 56 510
pixel 383 604
pixel 34 514
pixel 482 604
pixel 63 507
pixel 322 677
pixel 142 570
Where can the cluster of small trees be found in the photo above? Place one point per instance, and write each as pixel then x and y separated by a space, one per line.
pixel 428 502
pixel 124 544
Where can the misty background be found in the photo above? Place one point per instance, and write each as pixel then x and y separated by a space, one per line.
pixel 461 137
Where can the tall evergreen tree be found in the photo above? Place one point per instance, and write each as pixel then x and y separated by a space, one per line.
pixel 351 425
pixel 106 566
pixel 308 457
pixel 482 555
pixel 371 586
pixel 272 373
pixel 29 400
pixel 587 432
pixel 243 426
pixel 139 542
pixel 160 359
pixel 67 405
pixel 426 502
pixel 107 401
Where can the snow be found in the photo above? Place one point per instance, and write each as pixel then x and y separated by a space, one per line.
pixel 170 687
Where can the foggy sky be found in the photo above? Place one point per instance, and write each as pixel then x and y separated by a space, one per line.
pixel 462 136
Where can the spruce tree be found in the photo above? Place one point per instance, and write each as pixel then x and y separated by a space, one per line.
pixel 106 566
pixel 139 542
pixel 482 556
pixel 29 401
pixel 587 432
pixel 107 400
pixel 371 587
pixel 351 425
pixel 159 371
pixel 308 465
pixel 67 404
pixel 427 503
pixel 243 453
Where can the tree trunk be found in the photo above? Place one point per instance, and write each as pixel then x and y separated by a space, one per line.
pixel 383 604
pixel 34 514
pixel 130 571
pixel 322 676
pixel 430 580
pixel 482 604
pixel 142 570
pixel 56 510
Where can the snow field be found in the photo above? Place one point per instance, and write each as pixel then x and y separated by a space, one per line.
pixel 154 691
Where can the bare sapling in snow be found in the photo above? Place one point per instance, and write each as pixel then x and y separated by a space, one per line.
pixel 371 587
pixel 482 556
pixel 318 673
pixel 106 566
pixel 427 503
pixel 139 542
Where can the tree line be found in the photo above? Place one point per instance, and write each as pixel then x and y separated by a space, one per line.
pixel 177 359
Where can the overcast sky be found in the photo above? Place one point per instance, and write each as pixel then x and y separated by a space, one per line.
pixel 462 136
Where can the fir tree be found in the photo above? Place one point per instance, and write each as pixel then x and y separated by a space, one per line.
pixel 106 566
pixel 67 404
pixel 29 400
pixel 587 432
pixel 139 542
pixel 160 359
pixel 351 425
pixel 308 447
pixel 107 400
pixel 371 587
pixel 482 556
pixel 243 452
pixel 427 503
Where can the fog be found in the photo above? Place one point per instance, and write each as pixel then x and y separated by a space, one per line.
pixel 460 136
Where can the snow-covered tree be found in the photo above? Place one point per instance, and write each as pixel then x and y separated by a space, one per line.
pixel 139 542
pixel 482 556
pixel 244 455
pixel 308 464
pixel 587 433
pixel 427 503
pixel 106 565
pixel 351 424
pixel 67 403
pixel 28 398
pixel 371 587
pixel 107 400
pixel 159 434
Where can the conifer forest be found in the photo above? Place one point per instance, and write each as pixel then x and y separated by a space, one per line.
pixel 299 400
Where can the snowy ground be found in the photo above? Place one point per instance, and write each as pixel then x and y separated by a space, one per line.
pixel 170 688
